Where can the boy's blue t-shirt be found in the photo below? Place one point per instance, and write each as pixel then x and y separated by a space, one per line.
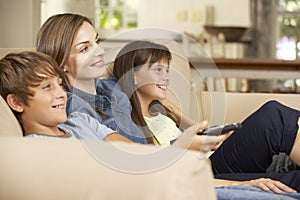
pixel 81 126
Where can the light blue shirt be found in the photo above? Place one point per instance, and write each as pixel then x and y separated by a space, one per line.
pixel 82 126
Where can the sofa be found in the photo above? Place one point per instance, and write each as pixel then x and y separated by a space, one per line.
pixel 68 169
pixel 33 168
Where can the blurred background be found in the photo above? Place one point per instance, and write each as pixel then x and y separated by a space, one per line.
pixel 237 35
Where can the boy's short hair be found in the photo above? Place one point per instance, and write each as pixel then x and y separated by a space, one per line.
pixel 20 71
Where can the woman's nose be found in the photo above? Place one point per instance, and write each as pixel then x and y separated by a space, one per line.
pixel 99 51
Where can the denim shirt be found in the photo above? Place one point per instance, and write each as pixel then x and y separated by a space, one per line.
pixel 111 101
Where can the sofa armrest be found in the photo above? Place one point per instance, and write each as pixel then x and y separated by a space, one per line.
pixel 9 125
pixel 34 168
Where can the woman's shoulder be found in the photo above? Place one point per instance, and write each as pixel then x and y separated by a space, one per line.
pixel 108 83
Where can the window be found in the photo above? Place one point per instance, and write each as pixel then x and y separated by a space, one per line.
pixel 116 14
pixel 288 16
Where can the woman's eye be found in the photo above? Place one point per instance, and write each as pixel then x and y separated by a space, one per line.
pixel 84 49
pixel 98 40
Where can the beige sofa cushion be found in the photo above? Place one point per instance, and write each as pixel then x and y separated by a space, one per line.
pixel 9 126
pixel 231 107
pixel 34 168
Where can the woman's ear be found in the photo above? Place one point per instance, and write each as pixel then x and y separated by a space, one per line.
pixel 14 103
pixel 65 69
pixel 135 79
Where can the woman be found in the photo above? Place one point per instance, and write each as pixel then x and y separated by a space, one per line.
pixel 142 68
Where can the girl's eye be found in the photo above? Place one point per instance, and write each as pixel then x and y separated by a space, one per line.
pixel 158 68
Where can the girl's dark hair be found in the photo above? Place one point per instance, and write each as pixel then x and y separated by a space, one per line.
pixel 130 58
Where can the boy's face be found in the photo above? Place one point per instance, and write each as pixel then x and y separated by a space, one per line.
pixel 47 107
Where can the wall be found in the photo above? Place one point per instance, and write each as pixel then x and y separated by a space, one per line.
pixel 21 19
pixel 19 22
pixel 51 7
pixel 189 15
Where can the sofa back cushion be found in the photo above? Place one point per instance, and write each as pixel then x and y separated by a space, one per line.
pixel 181 91
pixel 9 125
pixel 230 107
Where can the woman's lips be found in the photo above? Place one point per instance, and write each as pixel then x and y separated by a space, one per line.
pixel 99 63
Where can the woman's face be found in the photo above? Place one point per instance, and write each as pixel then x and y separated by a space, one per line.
pixel 86 60
pixel 152 82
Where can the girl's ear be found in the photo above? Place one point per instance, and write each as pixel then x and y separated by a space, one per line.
pixel 14 103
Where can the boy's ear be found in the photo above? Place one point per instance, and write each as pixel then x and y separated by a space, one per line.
pixel 14 103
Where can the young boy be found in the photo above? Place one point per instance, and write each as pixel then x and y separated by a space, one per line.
pixel 31 84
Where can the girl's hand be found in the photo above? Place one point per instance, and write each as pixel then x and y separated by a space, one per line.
pixel 189 139
pixel 221 139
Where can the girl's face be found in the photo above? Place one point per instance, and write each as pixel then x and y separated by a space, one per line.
pixel 86 60
pixel 152 82
pixel 47 108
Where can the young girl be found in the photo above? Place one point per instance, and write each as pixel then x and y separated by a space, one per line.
pixel 31 84
pixel 142 68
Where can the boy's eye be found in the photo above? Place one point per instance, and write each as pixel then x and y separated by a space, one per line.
pixel 46 87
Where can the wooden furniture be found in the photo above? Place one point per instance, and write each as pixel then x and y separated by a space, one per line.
pixel 252 68
pixel 221 74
